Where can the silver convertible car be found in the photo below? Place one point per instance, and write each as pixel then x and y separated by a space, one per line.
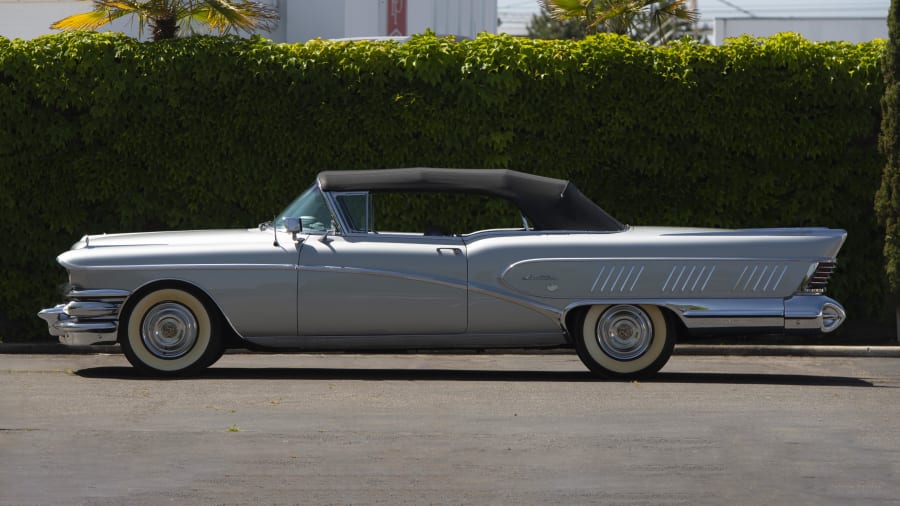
pixel 330 273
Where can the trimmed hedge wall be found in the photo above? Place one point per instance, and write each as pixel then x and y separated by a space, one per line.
pixel 100 133
pixel 887 200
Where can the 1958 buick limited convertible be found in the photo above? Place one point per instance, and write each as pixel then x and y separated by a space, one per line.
pixel 325 276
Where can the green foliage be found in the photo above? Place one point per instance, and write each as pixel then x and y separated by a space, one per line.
pixel 887 200
pixel 418 212
pixel 100 133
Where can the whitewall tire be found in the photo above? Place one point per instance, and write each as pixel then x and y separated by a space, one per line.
pixel 170 331
pixel 624 340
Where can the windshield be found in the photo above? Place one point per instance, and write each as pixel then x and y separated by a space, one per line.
pixel 312 210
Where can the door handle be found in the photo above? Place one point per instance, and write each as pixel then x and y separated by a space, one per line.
pixel 449 251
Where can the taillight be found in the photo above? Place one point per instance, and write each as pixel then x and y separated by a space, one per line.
pixel 817 280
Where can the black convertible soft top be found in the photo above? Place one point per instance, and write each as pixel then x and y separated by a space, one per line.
pixel 550 204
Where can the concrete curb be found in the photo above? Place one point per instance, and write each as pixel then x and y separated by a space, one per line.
pixel 787 350
pixel 681 349
pixel 54 349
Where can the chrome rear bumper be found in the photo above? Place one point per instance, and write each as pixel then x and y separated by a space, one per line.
pixel 799 314
pixel 91 317
pixel 803 313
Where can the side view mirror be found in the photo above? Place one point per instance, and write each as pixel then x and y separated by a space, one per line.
pixel 293 225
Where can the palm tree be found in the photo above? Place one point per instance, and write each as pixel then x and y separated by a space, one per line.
pixel 625 17
pixel 545 26
pixel 166 18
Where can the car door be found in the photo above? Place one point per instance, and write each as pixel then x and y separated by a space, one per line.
pixel 367 284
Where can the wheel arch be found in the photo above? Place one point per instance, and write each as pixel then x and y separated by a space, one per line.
pixel 571 320
pixel 573 317
pixel 230 335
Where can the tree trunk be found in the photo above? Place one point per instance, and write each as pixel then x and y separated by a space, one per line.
pixel 164 28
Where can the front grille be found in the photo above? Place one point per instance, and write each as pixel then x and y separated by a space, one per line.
pixel 817 282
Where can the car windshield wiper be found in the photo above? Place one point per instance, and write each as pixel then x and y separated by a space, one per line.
pixel 265 225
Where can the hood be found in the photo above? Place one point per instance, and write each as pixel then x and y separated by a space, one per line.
pixel 173 238
pixel 200 247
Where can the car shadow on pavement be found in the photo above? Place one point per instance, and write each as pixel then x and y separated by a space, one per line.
pixel 281 373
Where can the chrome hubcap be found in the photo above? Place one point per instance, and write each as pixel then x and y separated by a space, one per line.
pixel 624 332
pixel 169 330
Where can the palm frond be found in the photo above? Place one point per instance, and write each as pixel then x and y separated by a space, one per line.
pixel 84 21
pixel 618 16
pixel 567 9
pixel 678 9
pixel 666 12
pixel 140 7
pixel 615 10
pixel 109 10
pixel 226 15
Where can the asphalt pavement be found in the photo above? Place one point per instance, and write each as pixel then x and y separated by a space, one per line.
pixel 449 429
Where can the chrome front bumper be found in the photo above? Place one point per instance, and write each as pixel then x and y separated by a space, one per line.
pixel 91 317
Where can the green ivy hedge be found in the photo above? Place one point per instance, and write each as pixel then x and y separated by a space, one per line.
pixel 887 200
pixel 101 133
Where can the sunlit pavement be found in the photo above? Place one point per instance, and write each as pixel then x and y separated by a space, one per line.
pixel 485 428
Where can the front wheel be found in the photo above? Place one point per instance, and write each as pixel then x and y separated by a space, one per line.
pixel 624 341
pixel 170 332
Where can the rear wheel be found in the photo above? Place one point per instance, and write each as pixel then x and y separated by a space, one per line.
pixel 624 341
pixel 169 332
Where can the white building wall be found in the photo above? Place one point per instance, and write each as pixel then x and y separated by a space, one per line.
pixel 457 17
pixel 816 29
pixel 27 19
pixel 308 19
pixel 301 20
pixel 365 17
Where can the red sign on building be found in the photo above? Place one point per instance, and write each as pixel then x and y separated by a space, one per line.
pixel 396 17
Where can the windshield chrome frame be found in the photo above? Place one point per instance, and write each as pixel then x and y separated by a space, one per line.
pixel 345 222
pixel 329 204
pixel 338 219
